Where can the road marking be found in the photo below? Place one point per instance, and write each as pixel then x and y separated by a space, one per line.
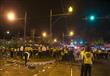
pixel 71 72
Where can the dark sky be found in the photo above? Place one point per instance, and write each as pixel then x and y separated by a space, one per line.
pixel 38 16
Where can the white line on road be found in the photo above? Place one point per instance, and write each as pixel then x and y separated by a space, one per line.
pixel 71 72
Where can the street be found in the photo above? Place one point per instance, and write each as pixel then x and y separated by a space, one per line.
pixel 54 37
pixel 66 69
pixel 100 68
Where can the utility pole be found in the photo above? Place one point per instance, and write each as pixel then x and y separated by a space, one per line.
pixel 51 34
pixel 25 25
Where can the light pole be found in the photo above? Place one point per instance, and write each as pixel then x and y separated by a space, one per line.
pixel 25 22
pixel 70 10
pixel 51 25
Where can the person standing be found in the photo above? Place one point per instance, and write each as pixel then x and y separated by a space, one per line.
pixel 88 61
pixel 26 57
pixel 22 49
pixel 44 49
pixel 82 62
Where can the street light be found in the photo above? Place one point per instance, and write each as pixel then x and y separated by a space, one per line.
pixel 71 33
pixel 44 34
pixel 55 40
pixel 8 32
pixel 70 10
pixel 11 17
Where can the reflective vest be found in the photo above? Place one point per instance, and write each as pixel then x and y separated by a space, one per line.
pixel 54 50
pixel 65 51
pixel 82 54
pixel 26 48
pixel 39 49
pixel 88 58
pixel 28 55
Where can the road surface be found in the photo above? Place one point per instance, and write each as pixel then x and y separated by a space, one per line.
pixel 100 68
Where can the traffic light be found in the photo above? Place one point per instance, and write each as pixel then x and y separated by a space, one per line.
pixel 92 18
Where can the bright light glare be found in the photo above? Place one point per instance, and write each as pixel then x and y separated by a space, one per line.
pixel 92 17
pixel 8 32
pixel 70 9
pixel 11 16
pixel 55 40
pixel 71 33
pixel 75 47
pixel 44 34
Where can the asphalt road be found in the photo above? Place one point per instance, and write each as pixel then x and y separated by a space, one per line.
pixel 100 68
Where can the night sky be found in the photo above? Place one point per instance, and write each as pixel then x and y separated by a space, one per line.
pixel 38 17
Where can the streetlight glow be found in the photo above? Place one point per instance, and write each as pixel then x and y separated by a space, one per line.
pixel 7 32
pixel 44 34
pixel 71 33
pixel 70 9
pixel 55 40
pixel 11 16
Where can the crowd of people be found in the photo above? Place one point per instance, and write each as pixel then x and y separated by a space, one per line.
pixel 42 51
pixel 84 54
